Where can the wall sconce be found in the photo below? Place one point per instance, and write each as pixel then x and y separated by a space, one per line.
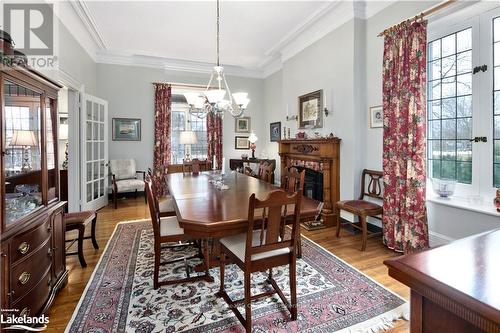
pixel 326 112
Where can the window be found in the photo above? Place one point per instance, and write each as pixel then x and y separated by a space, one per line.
pixel 463 99
pixel 182 120
pixel 450 107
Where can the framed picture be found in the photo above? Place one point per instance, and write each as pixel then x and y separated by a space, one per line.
pixel 241 143
pixel 376 116
pixel 242 125
pixel 275 131
pixel 311 110
pixel 126 129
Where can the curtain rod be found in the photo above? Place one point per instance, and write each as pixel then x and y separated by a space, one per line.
pixel 423 14
pixel 173 84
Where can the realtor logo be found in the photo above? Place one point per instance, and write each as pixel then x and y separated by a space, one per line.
pixel 31 26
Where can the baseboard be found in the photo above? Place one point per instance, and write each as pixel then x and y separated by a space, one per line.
pixel 436 239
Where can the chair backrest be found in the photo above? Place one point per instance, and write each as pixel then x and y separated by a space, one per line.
pixel 192 166
pixel 374 188
pixel 293 180
pixel 266 172
pixel 153 208
pixel 123 169
pixel 273 213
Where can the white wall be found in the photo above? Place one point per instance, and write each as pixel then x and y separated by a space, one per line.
pixel 130 93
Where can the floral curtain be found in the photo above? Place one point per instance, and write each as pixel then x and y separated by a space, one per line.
pixel 404 79
pixel 214 138
pixel 162 145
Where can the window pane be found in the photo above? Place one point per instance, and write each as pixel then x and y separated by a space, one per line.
pixel 496 153
pixel 434 110
pixel 448 169
pixel 496 52
pixel 435 50
pixel 464 106
pixel 464 62
pixel 435 129
pixel 449 66
pixel 464 40
pixel 448 45
pixel 464 84
pixel 449 108
pixel 464 172
pixel 448 87
pixel 464 128
pixel 434 150
pixel 435 70
pixel 497 103
pixel 449 150
pixel 464 150
pixel 448 129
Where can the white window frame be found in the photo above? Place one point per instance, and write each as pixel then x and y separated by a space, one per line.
pixel 479 17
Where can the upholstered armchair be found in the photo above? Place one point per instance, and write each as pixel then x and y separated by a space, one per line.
pixel 124 178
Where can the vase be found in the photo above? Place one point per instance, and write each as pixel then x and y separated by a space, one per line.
pixel 496 201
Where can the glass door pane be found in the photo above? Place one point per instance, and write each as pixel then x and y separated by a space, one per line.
pixel 51 130
pixel 22 168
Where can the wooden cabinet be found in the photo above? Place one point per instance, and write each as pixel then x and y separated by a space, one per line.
pixel 32 261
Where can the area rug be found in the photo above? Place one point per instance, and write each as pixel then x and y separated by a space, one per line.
pixel 333 296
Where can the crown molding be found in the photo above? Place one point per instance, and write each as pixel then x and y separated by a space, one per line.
pixel 82 10
pixel 125 59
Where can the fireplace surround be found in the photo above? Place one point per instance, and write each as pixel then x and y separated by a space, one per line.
pixel 319 157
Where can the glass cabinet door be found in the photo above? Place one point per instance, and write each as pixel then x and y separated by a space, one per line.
pixel 51 130
pixel 22 159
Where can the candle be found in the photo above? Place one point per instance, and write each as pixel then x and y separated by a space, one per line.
pixel 287 113
pixel 223 165
pixel 213 164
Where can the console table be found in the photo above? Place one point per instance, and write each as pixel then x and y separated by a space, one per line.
pixel 454 288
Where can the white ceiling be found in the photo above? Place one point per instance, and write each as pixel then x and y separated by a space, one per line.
pixel 185 30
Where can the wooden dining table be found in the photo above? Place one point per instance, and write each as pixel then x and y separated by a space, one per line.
pixel 205 211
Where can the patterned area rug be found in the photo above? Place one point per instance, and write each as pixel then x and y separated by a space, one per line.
pixel 333 296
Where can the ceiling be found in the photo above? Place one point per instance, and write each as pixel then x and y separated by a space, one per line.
pixel 185 30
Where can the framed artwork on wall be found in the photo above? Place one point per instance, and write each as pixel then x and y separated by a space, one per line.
pixel 311 110
pixel 275 131
pixel 241 143
pixel 376 116
pixel 126 129
pixel 242 125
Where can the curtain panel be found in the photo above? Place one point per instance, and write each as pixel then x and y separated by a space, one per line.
pixel 214 138
pixel 162 144
pixel 404 100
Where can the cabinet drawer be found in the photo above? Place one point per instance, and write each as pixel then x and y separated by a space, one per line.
pixel 32 303
pixel 24 244
pixel 27 273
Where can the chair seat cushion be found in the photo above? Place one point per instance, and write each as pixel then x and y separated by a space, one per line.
pixel 166 204
pixel 79 217
pixel 360 206
pixel 129 185
pixel 169 226
pixel 237 245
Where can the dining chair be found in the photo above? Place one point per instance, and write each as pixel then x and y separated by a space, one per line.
pixel 293 181
pixel 166 202
pixel 266 172
pixel 363 208
pixel 263 249
pixel 192 166
pixel 167 230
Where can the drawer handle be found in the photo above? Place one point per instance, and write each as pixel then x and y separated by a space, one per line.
pixel 24 248
pixel 24 277
pixel 25 312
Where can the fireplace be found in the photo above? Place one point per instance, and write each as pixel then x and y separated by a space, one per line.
pixel 319 157
pixel 313 183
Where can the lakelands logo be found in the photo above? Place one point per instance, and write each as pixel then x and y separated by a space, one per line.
pixel 24 323
pixel 32 28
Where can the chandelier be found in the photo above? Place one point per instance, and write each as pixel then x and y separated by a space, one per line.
pixel 212 99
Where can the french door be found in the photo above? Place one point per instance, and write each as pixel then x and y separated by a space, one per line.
pixel 93 153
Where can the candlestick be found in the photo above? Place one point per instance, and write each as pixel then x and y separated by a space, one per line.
pixel 214 167
pixel 223 166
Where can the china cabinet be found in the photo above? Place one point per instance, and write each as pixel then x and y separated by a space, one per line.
pixel 32 258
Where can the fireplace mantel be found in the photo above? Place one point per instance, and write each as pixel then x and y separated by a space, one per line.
pixel 325 153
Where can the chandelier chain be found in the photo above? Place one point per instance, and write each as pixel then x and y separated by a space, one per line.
pixel 218 34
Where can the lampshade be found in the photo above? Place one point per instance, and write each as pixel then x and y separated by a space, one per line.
pixel 63 132
pixel 188 138
pixel 23 138
pixel 216 95
pixel 192 97
pixel 253 138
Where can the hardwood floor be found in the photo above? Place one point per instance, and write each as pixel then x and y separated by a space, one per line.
pixel 347 248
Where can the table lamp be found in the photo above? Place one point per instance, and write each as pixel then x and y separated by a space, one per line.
pixel 63 136
pixel 187 138
pixel 253 138
pixel 25 139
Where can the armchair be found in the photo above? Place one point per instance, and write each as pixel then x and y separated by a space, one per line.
pixel 124 178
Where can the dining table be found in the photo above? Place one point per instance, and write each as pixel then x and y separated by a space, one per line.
pixel 208 212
